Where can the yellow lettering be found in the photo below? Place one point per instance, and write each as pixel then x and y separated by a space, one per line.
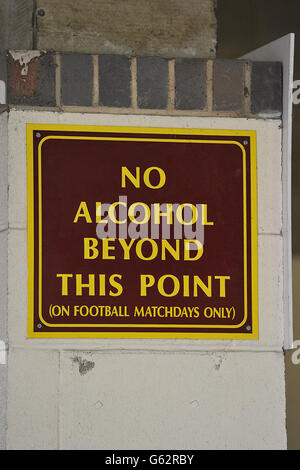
pixel 162 177
pixel 90 285
pixel 116 285
pixel 83 212
pixel 204 215
pixel 135 180
pixel 64 282
pixel 199 283
pixel 89 248
pixel 180 210
pixel 147 214
pixel 223 280
pixel 147 280
pixel 139 249
pixel 166 246
pixel 106 248
pixel 188 250
pixel 158 214
pixel 161 289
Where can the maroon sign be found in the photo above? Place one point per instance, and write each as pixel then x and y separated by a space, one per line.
pixel 141 232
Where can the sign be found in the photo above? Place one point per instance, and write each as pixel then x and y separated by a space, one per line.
pixel 141 232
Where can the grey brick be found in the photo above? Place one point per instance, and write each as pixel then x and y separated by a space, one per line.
pixel 114 81
pixel 228 85
pixel 76 79
pixel 152 82
pixel 266 88
pixel 33 83
pixel 190 83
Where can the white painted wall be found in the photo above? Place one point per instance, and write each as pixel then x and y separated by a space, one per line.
pixel 145 394
pixel 3 274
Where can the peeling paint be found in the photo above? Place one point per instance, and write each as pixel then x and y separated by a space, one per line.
pixel 98 405
pixel 84 365
pixel 24 58
pixel 194 404
pixel 218 359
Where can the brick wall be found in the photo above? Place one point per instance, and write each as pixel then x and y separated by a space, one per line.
pixel 142 85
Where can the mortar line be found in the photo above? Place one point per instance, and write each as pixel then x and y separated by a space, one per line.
pixel 133 68
pixel 171 85
pixel 95 80
pixel 148 112
pixel 86 349
pixel 247 88
pixel 58 79
pixel 209 86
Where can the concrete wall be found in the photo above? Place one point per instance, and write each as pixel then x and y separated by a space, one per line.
pixel 16 26
pixel 145 394
pixel 135 27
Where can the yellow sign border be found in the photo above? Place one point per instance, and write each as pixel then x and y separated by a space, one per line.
pixel 149 130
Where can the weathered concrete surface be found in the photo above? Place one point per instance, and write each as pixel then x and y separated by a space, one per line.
pixel 16 24
pixel 33 400
pixel 167 401
pixel 134 27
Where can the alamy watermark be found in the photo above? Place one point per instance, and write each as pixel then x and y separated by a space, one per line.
pixel 296 354
pixel 296 93
pixel 152 221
